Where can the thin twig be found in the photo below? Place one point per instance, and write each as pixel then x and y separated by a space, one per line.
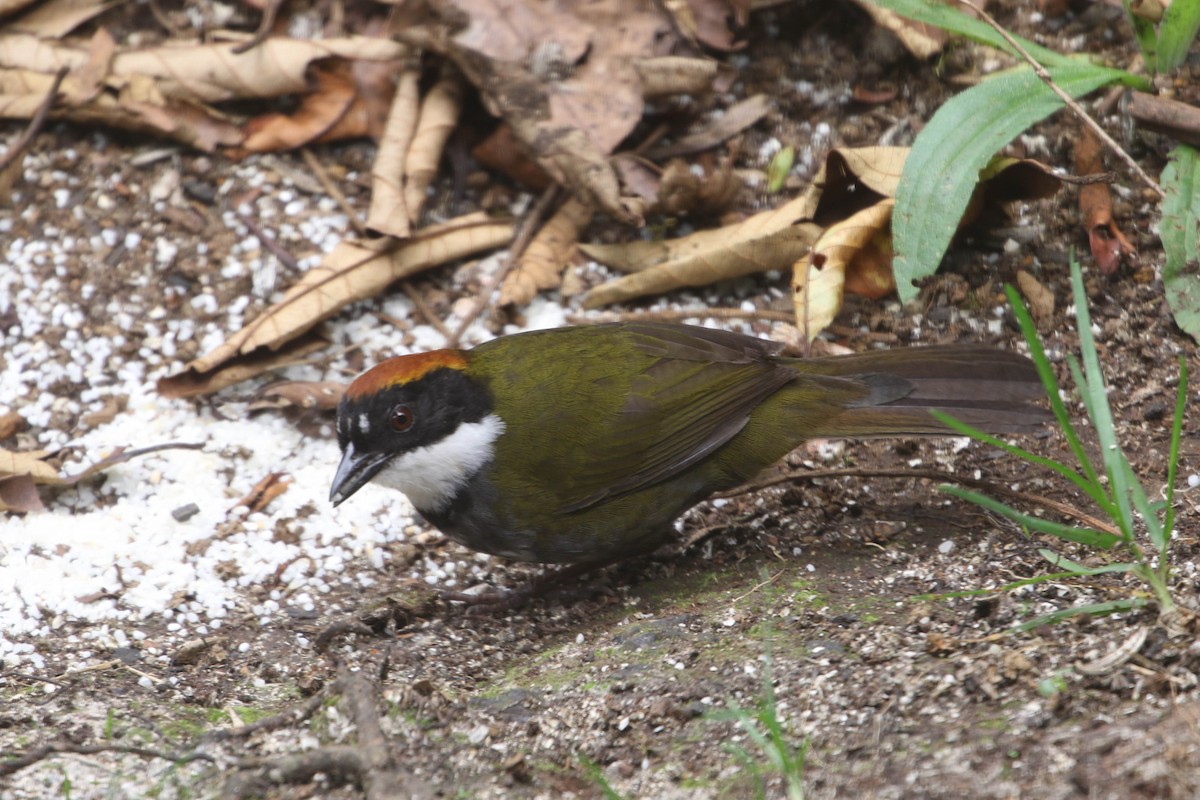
pixel 934 475
pixel 265 26
pixel 424 310
pixel 35 123
pixel 1042 73
pixel 520 241
pixel 322 176
pixel 272 245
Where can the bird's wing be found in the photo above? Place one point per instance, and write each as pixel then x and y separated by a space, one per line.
pixel 696 395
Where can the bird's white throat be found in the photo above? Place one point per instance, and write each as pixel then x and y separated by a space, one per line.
pixel 432 475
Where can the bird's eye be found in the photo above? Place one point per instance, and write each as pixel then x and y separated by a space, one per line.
pixel 402 419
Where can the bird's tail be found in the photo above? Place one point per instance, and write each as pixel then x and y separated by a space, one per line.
pixel 985 387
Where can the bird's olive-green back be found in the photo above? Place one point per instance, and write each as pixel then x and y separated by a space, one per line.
pixel 609 410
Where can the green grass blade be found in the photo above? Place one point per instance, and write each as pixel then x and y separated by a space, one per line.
pixel 1089 536
pixel 954 21
pixel 1147 37
pixel 1077 569
pixel 1093 490
pixel 943 167
pixel 1095 610
pixel 1181 237
pixel 1054 395
pixel 1176 32
pixel 1095 390
pixel 1173 457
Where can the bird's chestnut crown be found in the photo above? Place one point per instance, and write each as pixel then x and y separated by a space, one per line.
pixel 409 402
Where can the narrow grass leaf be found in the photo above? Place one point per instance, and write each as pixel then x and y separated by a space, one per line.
pixel 1147 37
pixel 1054 395
pixel 1173 456
pixel 1059 560
pixel 1070 533
pixel 1176 31
pixel 952 20
pixel 1095 610
pixel 943 167
pixel 1092 489
pixel 1115 462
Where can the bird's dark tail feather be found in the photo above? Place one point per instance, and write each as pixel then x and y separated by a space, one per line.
pixel 983 386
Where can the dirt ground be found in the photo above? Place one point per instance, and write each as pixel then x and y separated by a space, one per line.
pixel 828 590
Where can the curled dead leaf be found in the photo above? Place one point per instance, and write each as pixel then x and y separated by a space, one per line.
pixel 353 271
pixel 855 255
pixel 389 214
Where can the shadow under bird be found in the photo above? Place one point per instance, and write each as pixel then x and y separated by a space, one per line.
pixel 582 445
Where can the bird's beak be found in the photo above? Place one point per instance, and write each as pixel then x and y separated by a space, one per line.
pixel 354 472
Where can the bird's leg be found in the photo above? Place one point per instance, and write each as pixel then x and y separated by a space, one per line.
pixel 499 600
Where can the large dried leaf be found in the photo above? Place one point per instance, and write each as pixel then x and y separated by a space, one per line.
pixel 1108 244
pixel 770 240
pixel 318 118
pixel 766 241
pixel 352 272
pixel 855 255
pixel 206 73
pixel 563 77
pixel 388 213
pixel 54 19
pixel 542 264
pixel 137 105
pixel 439 116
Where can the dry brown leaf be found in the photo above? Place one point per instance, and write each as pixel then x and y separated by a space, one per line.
pixel 683 193
pixel 136 105
pixel 238 367
pixel 766 241
pixel 439 117
pixel 708 22
pixel 570 112
pixel 1108 244
pixel 54 19
pixel 921 40
pixel 502 152
pixel 1040 298
pixel 19 493
pixel 637 175
pixel 667 75
pixel 266 490
pixel 8 7
pixel 319 113
pixel 737 118
pixel 541 266
pixel 353 271
pixel 207 73
pixel 320 395
pixel 20 472
pixel 388 214
pixel 855 255
pixel 10 423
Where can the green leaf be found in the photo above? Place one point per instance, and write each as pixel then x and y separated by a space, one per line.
pixel 1096 610
pixel 1178 28
pixel 1076 568
pixel 955 21
pixel 1089 536
pixel 1095 396
pixel 941 171
pixel 1181 237
pixel 1147 38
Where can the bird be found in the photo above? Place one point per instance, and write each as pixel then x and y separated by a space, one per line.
pixel 582 445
